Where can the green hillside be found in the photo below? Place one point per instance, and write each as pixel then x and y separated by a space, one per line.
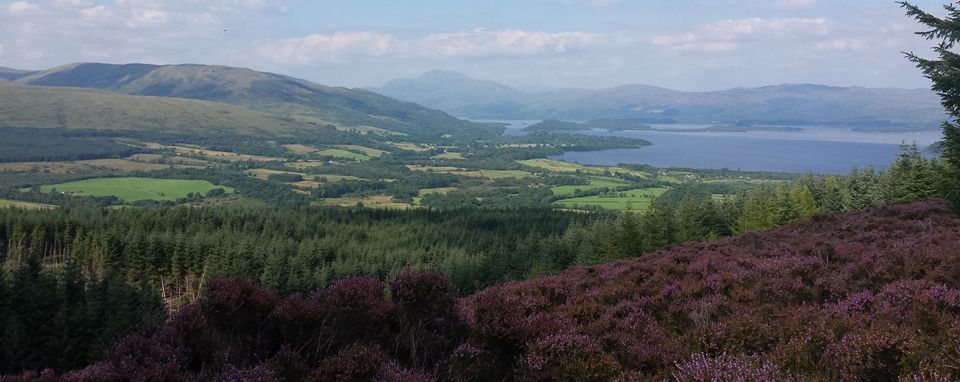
pixel 49 107
pixel 297 99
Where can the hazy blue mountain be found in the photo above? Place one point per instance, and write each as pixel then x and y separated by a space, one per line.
pixel 7 74
pixel 458 94
pixel 299 100
pixel 780 104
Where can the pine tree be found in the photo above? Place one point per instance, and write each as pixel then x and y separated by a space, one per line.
pixel 945 74
pixel 628 238
pixel 687 227
pixel 71 321
pixel 275 271
pixel 832 200
pixel 5 356
pixel 803 199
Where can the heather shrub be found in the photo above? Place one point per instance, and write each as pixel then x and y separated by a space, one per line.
pixel 356 310
pixel 236 313
pixel 394 373
pixel 354 363
pixel 287 365
pixel 876 354
pixel 471 362
pixel 260 373
pixel 701 367
pixel 567 358
pixel 426 317
pixel 299 323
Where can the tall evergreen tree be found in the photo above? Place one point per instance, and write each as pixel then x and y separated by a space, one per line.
pixel 944 71
pixel 687 227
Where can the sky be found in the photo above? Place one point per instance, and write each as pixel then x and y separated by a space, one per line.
pixel 693 45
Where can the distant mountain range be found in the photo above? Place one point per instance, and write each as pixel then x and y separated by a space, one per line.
pixel 273 102
pixel 873 108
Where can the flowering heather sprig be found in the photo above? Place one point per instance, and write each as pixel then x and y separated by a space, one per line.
pixel 567 358
pixel 727 368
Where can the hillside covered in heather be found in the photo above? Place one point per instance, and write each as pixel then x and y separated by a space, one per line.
pixel 872 295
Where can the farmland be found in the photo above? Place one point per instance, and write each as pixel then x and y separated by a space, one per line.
pixel 375 201
pixel 595 183
pixel 633 200
pixel 343 154
pixel 134 189
pixel 4 203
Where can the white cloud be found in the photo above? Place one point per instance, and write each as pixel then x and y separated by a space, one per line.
pixel 39 34
pixel 95 12
pixel 750 27
pixel 728 35
pixel 150 16
pixel 22 6
pixel 482 42
pixel 841 44
pixel 337 47
pixel 328 47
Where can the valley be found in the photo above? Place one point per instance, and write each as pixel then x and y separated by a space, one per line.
pixel 195 222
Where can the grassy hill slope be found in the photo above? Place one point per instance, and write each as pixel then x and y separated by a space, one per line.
pixel 266 92
pixel 49 107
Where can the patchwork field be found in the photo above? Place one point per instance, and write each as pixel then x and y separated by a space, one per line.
pixel 309 180
pixel 4 203
pixel 183 149
pixel 411 146
pixel 369 130
pixel 503 174
pixel 166 160
pixel 634 200
pixel 352 152
pixel 441 191
pixel 554 165
pixel 569 167
pixel 595 183
pixel 376 201
pixel 447 170
pixel 73 167
pixel 305 165
pixel 473 173
pixel 263 173
pixel 368 151
pixel 300 149
pixel 135 189
pixel 343 154
pixel 449 155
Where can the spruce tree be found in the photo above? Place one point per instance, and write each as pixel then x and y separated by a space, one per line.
pixel 944 71
pixel 804 202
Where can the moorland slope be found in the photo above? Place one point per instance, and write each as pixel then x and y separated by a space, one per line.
pixel 871 295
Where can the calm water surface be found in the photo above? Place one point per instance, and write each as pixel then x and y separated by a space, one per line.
pixel 821 150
